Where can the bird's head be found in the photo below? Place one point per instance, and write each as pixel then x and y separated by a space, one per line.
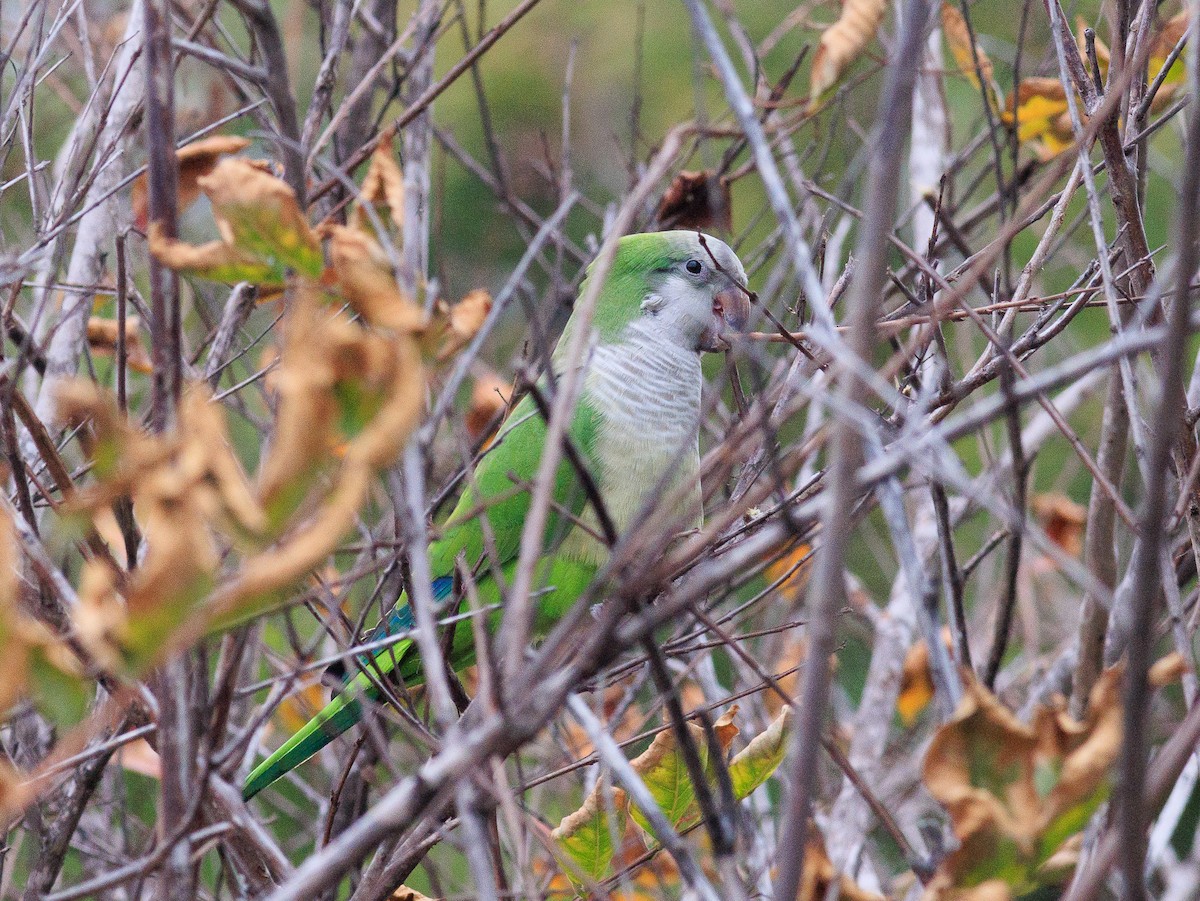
pixel 692 285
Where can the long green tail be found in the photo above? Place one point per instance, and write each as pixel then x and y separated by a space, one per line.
pixel 338 715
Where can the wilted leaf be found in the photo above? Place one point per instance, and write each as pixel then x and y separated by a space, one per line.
pixel 462 321
pixel 1040 115
pixel 139 757
pixel 404 893
pixel 258 214
pixel 1017 794
pixel 966 52
pixel 586 837
pixel 1172 31
pixel 489 397
pixel 842 43
pixel 383 188
pixel 13 660
pixel 102 340
pixel 1167 670
pixel 364 276
pixel 755 763
pixel 183 485
pixel 663 768
pixel 819 875
pixel 793 569
pixel 195 160
pixel 1062 519
pixel 216 260
pixel 916 683
pixel 697 200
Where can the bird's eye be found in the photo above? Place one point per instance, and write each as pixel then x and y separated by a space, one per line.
pixel 695 267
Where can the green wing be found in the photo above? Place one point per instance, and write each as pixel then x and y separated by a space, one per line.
pixel 499 492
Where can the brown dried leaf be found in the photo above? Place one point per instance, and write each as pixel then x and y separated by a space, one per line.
pixel 697 200
pixel 383 187
pixel 1017 793
pixel 404 893
pixel 465 318
pixel 102 340
pixel 13 662
pixel 194 160
pixel 216 260
pixel 819 875
pixel 364 276
pixel 489 397
pixel 1167 670
pixel 1062 519
pixel 842 43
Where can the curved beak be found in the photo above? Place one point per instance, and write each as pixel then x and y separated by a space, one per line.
pixel 731 312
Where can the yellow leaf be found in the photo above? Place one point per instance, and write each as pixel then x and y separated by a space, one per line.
pixel 916 684
pixel 1172 31
pixel 842 43
pixel 958 37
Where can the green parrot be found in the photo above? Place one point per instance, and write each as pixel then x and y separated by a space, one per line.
pixel 668 297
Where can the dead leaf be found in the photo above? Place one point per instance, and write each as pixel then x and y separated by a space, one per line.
pixel 490 396
pixel 404 893
pixel 218 261
pixel 819 875
pixel 1017 793
pixel 139 757
pixel 1062 519
pixel 1040 115
pixel 364 276
pixel 184 486
pixel 697 200
pixel 102 340
pixel 916 684
pixel 964 51
pixel 194 160
pixel 1167 670
pixel 465 319
pixel 842 43
pixel 258 214
pixel 383 187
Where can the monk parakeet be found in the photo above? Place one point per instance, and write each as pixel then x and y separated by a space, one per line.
pixel 668 297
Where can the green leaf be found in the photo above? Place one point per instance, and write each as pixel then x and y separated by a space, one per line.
pixel 60 695
pixel 664 770
pixel 589 837
pixel 755 763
